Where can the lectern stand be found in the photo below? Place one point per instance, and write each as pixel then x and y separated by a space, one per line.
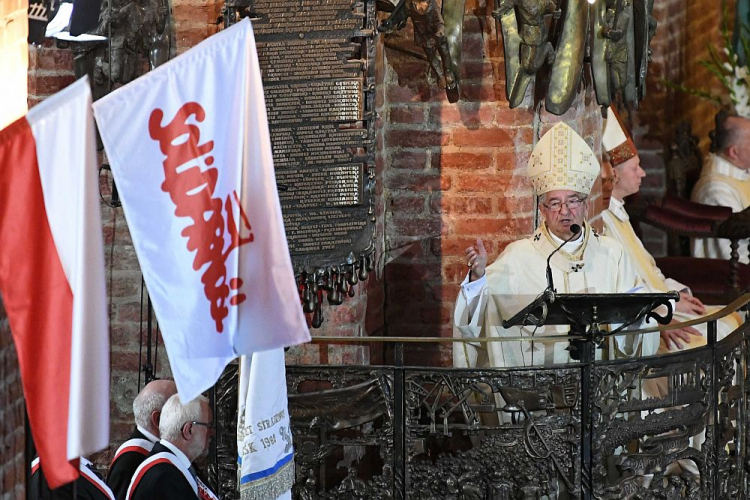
pixel 585 313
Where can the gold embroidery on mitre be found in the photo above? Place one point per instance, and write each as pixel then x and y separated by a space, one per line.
pixel 622 153
pixel 562 160
pixel 616 140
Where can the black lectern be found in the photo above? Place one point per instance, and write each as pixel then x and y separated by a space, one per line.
pixel 585 313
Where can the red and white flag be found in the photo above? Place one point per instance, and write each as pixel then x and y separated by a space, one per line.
pixel 190 151
pixel 52 277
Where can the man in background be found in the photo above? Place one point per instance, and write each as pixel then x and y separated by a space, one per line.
pixel 147 407
pixel 628 174
pixel 167 473
pixel 725 180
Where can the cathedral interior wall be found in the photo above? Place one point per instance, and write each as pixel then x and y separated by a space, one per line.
pixel 447 174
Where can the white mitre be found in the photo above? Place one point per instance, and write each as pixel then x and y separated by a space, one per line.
pixel 562 160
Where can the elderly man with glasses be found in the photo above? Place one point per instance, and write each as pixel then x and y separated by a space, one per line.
pixel 167 473
pixel 562 169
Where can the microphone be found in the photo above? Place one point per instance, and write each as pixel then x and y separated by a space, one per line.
pixel 575 229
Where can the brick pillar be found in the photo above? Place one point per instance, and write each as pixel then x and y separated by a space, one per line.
pixel 455 173
pixel 12 411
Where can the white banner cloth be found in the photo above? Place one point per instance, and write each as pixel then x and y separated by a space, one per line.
pixel 264 437
pixel 190 151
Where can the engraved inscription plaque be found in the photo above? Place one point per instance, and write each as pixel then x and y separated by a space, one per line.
pixel 319 88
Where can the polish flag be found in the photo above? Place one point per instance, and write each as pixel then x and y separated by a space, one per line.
pixel 52 277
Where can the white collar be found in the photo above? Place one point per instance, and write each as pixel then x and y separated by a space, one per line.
pixel 181 457
pixel 617 207
pixel 571 246
pixel 720 165
pixel 147 434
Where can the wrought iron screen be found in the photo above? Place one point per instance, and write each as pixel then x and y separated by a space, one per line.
pixel 664 427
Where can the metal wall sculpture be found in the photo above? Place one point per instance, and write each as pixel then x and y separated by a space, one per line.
pixel 317 64
pixel 549 39
pixel 138 36
pixel 438 30
pixel 668 427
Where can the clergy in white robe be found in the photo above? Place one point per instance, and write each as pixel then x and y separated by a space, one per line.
pixel 562 169
pixel 724 183
pixel 627 181
pixel 617 225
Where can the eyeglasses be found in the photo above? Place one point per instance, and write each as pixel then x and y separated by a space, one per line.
pixel 207 425
pixel 556 205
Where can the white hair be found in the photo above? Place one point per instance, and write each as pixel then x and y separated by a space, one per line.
pixel 145 404
pixel 174 415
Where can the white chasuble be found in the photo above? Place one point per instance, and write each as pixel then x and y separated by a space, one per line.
pixel 617 225
pixel 517 277
pixel 721 183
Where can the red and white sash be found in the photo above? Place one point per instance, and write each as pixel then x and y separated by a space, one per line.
pixel 138 445
pixel 157 459
pixel 92 478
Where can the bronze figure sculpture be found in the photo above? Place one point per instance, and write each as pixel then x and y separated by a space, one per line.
pixel 525 33
pixel 440 44
pixel 539 32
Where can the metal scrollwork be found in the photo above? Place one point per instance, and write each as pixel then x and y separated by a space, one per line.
pixel 526 43
pixel 335 283
pixel 670 427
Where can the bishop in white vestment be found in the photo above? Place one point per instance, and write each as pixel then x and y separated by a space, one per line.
pixel 562 169
pixel 627 181
pixel 617 225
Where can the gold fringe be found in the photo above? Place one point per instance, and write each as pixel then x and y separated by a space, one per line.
pixel 271 487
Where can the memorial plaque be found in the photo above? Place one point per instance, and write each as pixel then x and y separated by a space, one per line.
pixel 315 62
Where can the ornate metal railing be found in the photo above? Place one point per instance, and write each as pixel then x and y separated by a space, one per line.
pixel 666 427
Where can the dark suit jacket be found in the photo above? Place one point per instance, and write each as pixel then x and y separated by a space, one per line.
pixel 85 489
pixel 163 481
pixel 122 469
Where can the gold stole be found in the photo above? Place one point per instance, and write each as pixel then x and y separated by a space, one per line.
pixel 642 261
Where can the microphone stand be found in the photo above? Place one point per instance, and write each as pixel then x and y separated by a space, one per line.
pixel 575 345
pixel 575 229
